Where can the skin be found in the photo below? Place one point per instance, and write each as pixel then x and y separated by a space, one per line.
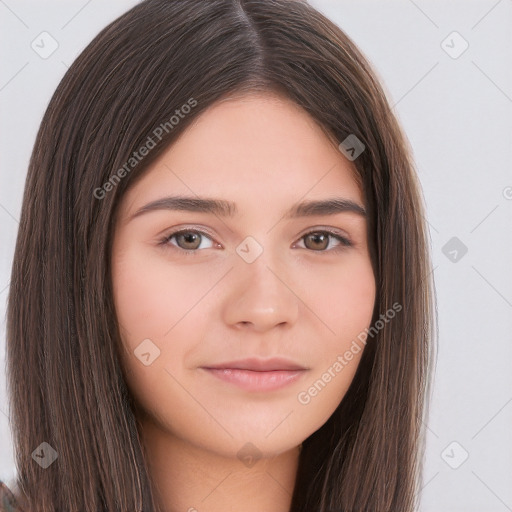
pixel 299 299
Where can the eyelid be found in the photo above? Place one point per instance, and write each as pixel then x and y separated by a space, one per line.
pixel 194 228
pixel 328 229
pixel 204 232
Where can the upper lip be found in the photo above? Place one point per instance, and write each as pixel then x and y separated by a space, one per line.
pixel 261 365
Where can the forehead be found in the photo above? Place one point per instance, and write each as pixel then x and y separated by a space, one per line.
pixel 257 149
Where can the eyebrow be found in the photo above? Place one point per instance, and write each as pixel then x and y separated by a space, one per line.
pixel 224 208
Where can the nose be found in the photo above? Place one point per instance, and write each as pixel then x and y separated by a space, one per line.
pixel 260 296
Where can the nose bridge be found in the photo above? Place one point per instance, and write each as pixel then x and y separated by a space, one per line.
pixel 258 291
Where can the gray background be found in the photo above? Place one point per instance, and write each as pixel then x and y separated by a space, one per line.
pixel 456 110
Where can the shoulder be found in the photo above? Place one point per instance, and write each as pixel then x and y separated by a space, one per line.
pixel 7 500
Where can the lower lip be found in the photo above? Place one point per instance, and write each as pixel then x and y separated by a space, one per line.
pixel 257 381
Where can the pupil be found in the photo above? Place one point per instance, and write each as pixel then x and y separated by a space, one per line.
pixel 317 238
pixel 189 237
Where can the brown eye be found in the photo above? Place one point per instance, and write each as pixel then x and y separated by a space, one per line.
pixel 319 241
pixel 316 241
pixel 187 240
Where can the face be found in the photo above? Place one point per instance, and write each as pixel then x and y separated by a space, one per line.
pixel 259 281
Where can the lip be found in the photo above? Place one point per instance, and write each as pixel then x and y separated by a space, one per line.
pixel 258 365
pixel 251 380
pixel 258 374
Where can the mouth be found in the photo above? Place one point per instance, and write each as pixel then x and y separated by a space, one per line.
pixel 257 374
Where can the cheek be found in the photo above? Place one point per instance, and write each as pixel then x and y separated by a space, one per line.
pixel 150 296
pixel 157 302
pixel 343 298
pixel 345 302
pixel 149 300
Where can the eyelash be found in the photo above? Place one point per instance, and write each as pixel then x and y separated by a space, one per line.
pixel 344 242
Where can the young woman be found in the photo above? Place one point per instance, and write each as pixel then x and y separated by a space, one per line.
pixel 221 293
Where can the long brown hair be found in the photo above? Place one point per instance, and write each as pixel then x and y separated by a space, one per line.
pixel 131 83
